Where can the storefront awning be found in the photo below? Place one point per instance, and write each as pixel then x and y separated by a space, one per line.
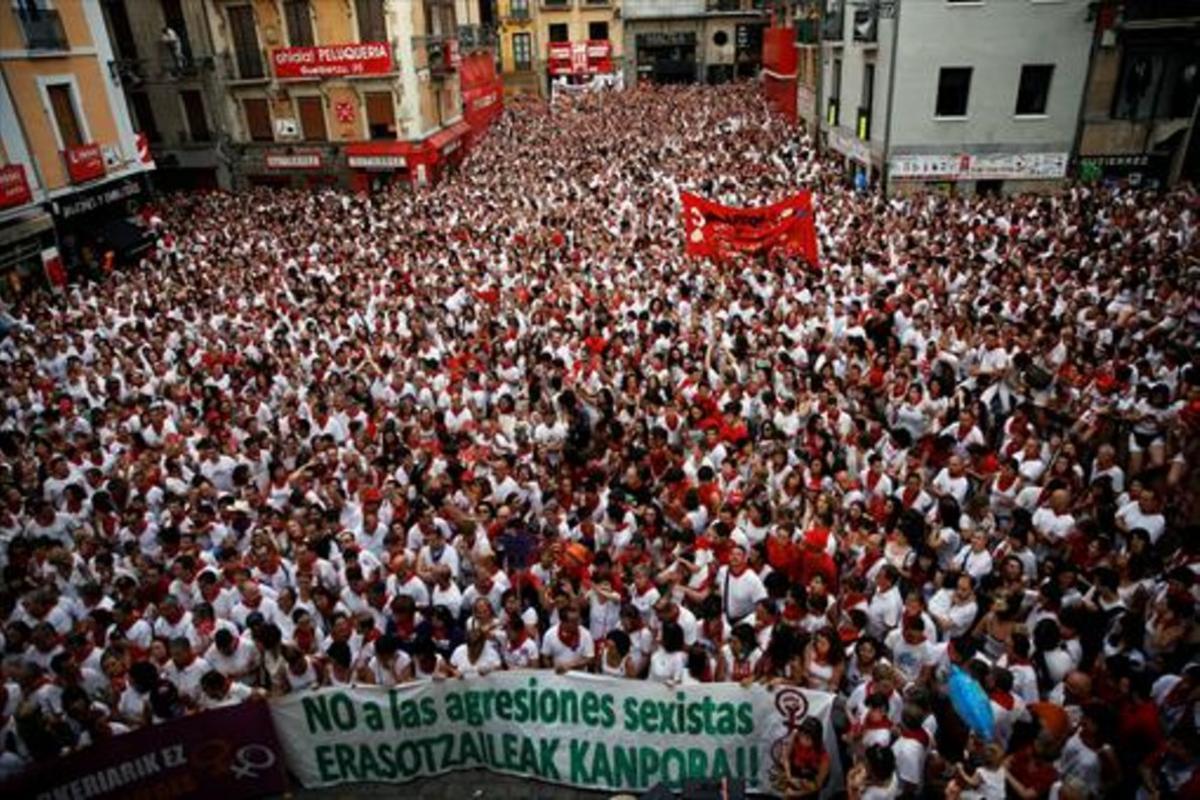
pixel 447 140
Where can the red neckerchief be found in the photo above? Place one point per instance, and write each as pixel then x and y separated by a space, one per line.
pixel 737 572
pixel 1003 699
pixel 872 480
pixel 570 640
pixel 916 734
pixel 1002 486
pixel 909 496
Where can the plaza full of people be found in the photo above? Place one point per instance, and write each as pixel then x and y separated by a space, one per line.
pixel 320 438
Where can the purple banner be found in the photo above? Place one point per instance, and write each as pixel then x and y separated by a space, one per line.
pixel 230 753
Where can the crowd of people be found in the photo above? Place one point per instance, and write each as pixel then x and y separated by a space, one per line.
pixel 321 438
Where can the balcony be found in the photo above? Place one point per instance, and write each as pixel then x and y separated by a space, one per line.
pixel 556 5
pixel 517 13
pixel 832 27
pixel 476 38
pixel 43 29
pixel 245 66
pixel 866 26
pixel 441 54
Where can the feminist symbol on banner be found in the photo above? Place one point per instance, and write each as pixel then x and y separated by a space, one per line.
pixel 792 705
pixel 215 756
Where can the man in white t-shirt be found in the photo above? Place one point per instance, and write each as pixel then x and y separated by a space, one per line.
pixel 185 669
pixel 739 586
pixel 567 645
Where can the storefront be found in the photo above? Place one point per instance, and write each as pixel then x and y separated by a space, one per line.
pixel 25 232
pixel 482 93
pixel 377 165
pixel 98 228
pixel 1146 170
pixel 666 57
pixel 292 168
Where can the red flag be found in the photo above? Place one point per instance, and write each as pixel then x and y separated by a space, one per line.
pixel 717 231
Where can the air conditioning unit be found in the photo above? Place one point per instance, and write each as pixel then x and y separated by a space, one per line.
pixel 287 128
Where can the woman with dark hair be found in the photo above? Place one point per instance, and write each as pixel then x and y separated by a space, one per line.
pixel 739 656
pixel 668 664
pixel 824 661
pixel 873 778
pixel 806 767
pixel 1051 661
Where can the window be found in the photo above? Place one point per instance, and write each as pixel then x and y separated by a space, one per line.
pixel 143 115
pixel 62 103
pixel 197 122
pixel 598 31
pixel 833 114
pixel 299 23
pixel 173 18
pixel 954 87
pixel 1157 82
pixel 381 115
pixel 258 119
pixel 371 25
pixel 866 101
pixel 122 31
pixel 311 111
pixel 41 26
pixel 245 42
pixel 558 32
pixel 1034 89
pixel 518 8
pixel 522 51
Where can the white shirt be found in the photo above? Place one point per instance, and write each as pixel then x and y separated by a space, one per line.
pixel 488 661
pixel 667 667
pixel 740 593
pixel 560 654
pixel 883 612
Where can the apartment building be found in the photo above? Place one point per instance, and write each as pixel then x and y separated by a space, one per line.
pixel 73 163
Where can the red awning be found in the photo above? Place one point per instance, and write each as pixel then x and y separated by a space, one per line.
pixel 441 141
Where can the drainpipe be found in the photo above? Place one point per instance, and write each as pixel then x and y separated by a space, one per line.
pixel 1080 120
pixel 887 126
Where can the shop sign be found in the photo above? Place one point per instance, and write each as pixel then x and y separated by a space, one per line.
pixel 988 166
pixel 332 61
pixel 14 187
pixel 377 162
pixel 293 160
pixel 85 163
pixel 81 204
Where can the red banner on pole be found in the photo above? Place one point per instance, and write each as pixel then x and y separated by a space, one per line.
pixel 717 231
pixel 332 61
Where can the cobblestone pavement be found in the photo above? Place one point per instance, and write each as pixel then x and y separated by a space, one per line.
pixel 469 785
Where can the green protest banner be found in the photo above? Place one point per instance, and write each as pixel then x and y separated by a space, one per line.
pixel 577 729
